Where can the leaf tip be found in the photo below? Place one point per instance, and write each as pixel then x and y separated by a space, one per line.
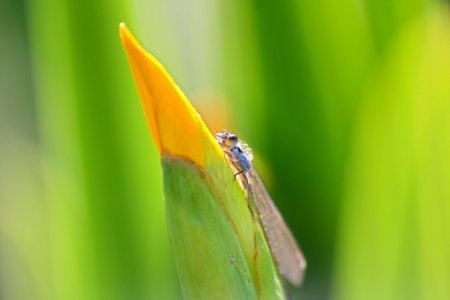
pixel 175 125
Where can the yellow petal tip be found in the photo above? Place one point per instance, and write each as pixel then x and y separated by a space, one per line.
pixel 175 125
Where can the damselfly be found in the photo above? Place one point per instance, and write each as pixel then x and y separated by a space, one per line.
pixel 289 259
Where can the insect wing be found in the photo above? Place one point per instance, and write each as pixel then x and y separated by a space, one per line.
pixel 289 259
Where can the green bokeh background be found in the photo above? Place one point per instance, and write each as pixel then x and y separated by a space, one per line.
pixel 345 103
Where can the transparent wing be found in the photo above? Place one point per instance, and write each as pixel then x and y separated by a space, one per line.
pixel 289 259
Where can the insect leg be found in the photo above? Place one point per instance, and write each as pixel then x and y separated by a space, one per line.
pixel 247 184
pixel 240 172
pixel 249 191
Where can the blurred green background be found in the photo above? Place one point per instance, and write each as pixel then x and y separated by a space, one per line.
pixel 345 103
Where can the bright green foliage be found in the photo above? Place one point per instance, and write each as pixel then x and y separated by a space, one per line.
pixel 396 230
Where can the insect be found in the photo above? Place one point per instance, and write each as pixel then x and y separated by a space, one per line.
pixel 290 261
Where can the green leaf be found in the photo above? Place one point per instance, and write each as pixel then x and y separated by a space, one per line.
pixel 207 237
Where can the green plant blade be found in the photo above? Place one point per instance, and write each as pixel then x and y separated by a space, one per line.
pixel 207 242
pixel 209 259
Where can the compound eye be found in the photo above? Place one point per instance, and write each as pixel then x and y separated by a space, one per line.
pixel 231 140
